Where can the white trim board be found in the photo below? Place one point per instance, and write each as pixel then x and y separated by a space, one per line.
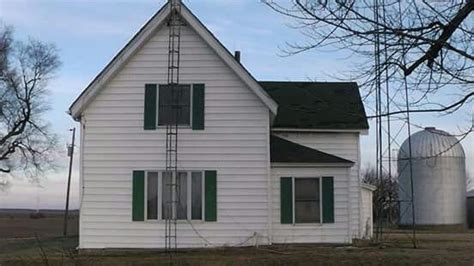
pixel 311 165
pixel 360 131
pixel 143 35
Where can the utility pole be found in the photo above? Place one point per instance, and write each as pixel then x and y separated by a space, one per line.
pixel 70 153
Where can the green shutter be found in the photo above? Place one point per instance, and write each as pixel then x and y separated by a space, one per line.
pixel 149 114
pixel 138 197
pixel 210 211
pixel 328 199
pixel 286 200
pixel 198 106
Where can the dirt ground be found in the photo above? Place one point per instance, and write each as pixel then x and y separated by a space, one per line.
pixel 18 247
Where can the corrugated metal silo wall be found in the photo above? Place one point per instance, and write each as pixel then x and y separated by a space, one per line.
pixel 439 191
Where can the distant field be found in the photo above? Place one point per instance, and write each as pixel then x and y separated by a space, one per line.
pixel 19 246
pixel 16 223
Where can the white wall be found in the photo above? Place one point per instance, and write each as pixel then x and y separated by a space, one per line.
pixel 337 232
pixel 367 213
pixel 345 145
pixel 235 142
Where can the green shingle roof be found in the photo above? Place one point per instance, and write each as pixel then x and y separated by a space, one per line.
pixel 285 151
pixel 317 105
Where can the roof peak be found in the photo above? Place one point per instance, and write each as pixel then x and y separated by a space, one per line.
pixel 143 35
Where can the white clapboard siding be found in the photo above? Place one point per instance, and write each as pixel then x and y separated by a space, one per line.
pixel 345 145
pixel 337 232
pixel 366 213
pixel 234 142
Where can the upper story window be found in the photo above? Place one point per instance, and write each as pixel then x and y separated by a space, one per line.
pixel 174 107
pixel 165 106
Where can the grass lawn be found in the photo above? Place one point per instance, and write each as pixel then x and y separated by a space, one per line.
pixel 434 248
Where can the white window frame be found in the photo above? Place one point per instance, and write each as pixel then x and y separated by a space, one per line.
pixel 188 196
pixel 191 96
pixel 319 178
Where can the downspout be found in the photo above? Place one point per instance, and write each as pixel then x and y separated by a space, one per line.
pixel 349 206
pixel 82 132
pixel 81 159
pixel 359 187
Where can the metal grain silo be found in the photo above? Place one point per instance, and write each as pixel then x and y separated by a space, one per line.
pixel 439 180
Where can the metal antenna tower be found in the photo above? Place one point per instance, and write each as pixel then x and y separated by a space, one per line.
pixel 174 40
pixel 410 159
pixel 378 119
pixel 394 125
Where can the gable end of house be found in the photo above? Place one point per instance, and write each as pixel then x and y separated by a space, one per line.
pixel 142 36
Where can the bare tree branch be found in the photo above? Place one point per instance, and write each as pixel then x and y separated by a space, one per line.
pixel 26 143
pixel 426 44
pixel 433 110
pixel 448 31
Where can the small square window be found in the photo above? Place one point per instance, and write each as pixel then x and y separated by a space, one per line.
pixel 174 105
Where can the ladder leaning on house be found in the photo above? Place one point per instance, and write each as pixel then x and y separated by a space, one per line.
pixel 170 215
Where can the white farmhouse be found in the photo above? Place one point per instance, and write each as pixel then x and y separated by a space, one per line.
pixel 259 162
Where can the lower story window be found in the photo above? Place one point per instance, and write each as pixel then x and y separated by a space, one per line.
pixel 152 195
pixel 188 197
pixel 307 200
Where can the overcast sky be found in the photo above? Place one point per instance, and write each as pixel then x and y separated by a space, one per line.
pixel 89 33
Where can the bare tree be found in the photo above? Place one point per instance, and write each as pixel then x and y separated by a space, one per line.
pixel 385 197
pixel 26 143
pixel 427 44
pixel 5 45
pixel 5 184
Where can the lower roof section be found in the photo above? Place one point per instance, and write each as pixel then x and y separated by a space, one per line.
pixel 285 151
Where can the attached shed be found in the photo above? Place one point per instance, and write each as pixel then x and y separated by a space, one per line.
pixel 328 117
pixel 310 191
pixel 367 210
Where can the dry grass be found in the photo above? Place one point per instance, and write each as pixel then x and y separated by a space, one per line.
pixel 18 224
pixel 434 248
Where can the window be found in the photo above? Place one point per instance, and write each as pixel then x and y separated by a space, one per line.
pixel 196 195
pixel 174 105
pixel 152 196
pixel 189 196
pixel 166 195
pixel 307 200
